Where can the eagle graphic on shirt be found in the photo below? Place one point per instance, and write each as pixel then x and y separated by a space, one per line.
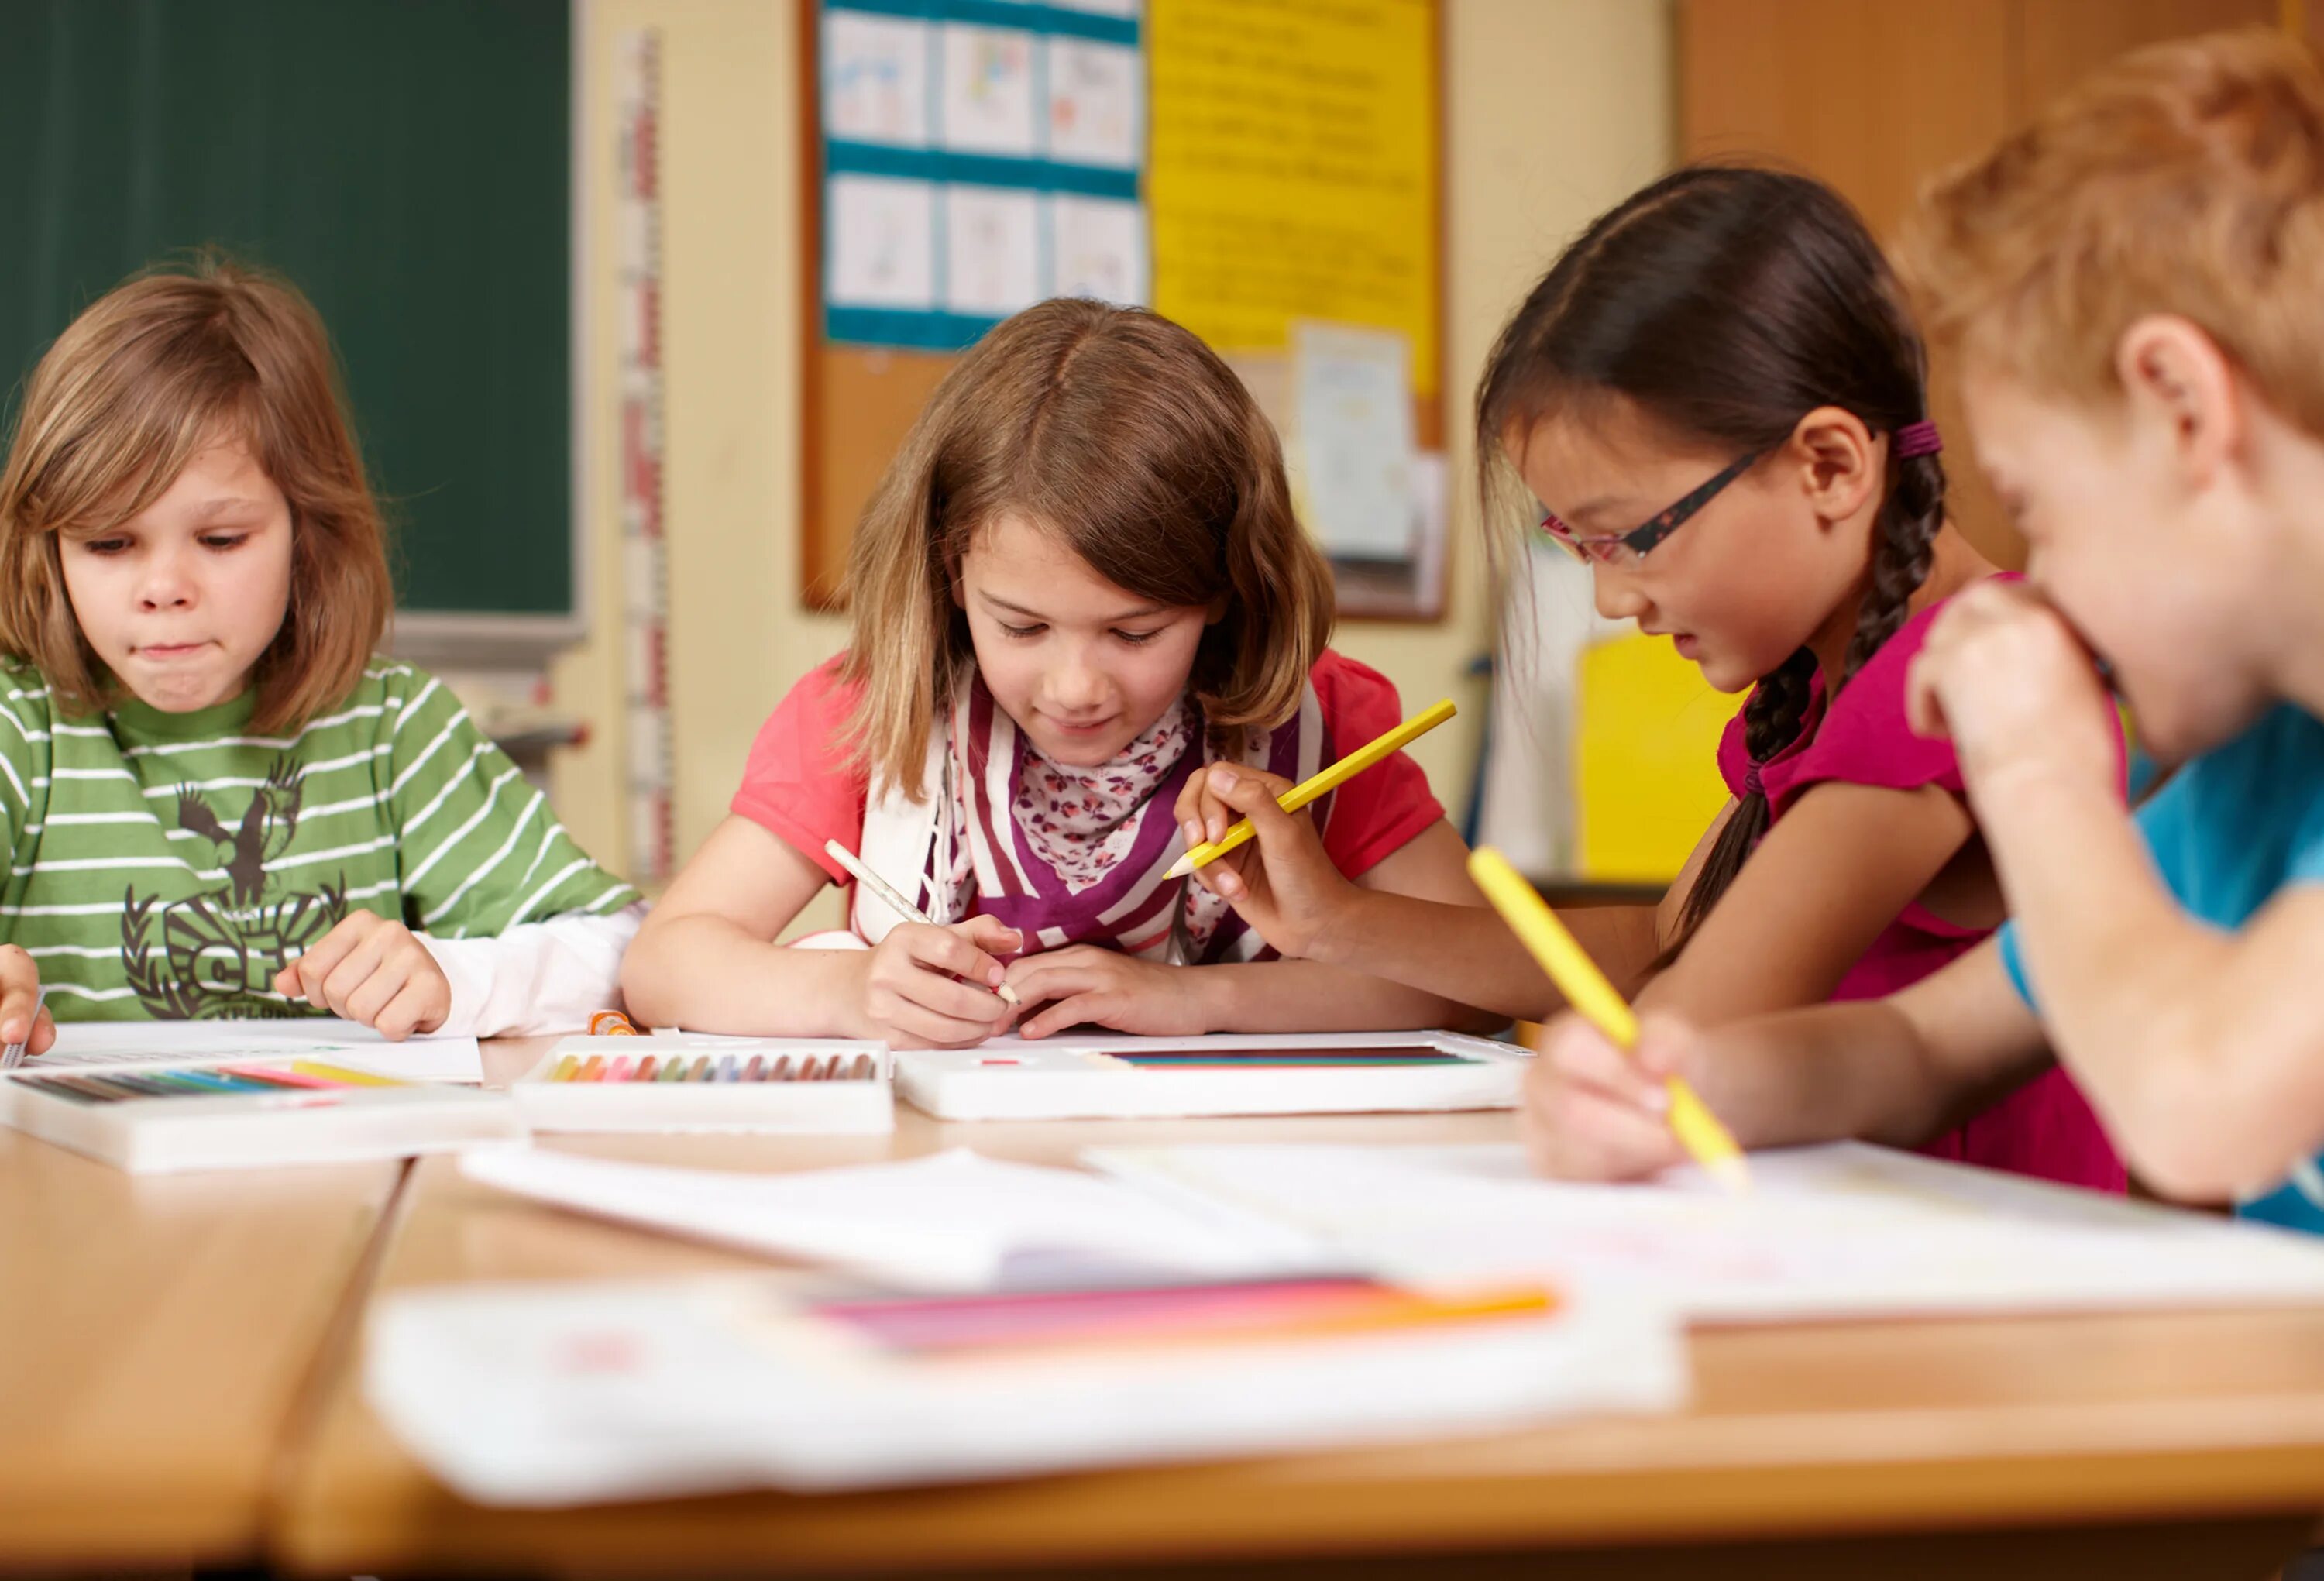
pixel 217 953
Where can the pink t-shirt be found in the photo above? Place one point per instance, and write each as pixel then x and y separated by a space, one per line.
pixel 799 785
pixel 2046 1129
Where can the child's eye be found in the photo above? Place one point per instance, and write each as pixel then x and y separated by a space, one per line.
pixel 225 541
pixel 103 546
pixel 1138 639
pixel 1023 631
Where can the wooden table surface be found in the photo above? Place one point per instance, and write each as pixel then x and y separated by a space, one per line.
pixel 157 1338
pixel 2163 1445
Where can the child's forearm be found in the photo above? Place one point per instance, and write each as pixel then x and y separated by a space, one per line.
pixel 704 973
pixel 1898 1070
pixel 2146 1006
pixel 535 978
pixel 1308 995
pixel 1466 954
pixel 1824 1073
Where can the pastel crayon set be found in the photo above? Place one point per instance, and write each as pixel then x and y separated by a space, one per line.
pixel 1072 1077
pixel 156 1119
pixel 682 1082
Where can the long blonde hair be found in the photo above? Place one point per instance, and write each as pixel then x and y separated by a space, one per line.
pixel 1129 439
pixel 149 375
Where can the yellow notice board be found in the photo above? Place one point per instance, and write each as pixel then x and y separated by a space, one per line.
pixel 1295 172
pixel 1645 760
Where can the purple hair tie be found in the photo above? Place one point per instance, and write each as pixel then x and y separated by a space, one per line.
pixel 1919 439
pixel 1751 785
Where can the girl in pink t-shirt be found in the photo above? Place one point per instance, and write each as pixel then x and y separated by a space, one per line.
pixel 1719 398
pixel 1079 583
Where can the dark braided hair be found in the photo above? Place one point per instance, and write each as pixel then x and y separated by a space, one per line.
pixel 1728 302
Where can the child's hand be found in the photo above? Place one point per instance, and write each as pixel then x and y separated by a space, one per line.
pixel 19 990
pixel 2011 682
pixel 1592 1112
pixel 929 987
pixel 1104 988
pixel 1281 882
pixel 373 972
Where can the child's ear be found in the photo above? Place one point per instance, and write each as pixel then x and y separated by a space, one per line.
pixel 2180 385
pixel 1838 462
pixel 1215 611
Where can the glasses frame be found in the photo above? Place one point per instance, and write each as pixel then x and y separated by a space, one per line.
pixel 1624 548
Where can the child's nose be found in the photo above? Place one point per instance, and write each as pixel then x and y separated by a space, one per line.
pixel 1617 596
pixel 165 584
pixel 1077 685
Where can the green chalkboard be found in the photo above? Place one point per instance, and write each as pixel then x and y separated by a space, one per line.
pixel 408 162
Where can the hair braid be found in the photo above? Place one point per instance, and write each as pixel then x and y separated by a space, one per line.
pixel 1901 553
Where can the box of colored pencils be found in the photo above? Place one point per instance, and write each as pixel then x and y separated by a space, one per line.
pixel 681 1083
pixel 263 1112
pixel 1070 1077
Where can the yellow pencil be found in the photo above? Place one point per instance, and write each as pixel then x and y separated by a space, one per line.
pixel 1323 784
pixel 1586 989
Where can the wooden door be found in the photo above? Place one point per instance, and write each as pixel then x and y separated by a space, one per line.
pixel 1876 95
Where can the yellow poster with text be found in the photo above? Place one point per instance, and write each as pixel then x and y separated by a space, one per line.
pixel 1294 170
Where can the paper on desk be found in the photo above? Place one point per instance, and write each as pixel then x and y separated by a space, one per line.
pixel 89 1043
pixel 1846 1230
pixel 565 1393
pixel 953 1220
pixel 1230 1042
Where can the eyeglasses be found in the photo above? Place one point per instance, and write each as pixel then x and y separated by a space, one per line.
pixel 1628 549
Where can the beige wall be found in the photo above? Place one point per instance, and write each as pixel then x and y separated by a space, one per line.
pixel 1554 109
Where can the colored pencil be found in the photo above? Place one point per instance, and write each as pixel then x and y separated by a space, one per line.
pixel 1586 989
pixel 1323 784
pixel 894 902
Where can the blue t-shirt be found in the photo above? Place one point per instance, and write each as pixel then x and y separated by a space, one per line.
pixel 2236 826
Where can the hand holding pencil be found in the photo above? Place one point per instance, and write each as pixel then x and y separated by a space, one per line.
pixel 1594 1107
pixel 1321 785
pixel 926 985
pixel 1247 842
pixel 1283 882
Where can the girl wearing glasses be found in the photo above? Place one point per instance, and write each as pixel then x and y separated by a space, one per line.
pixel 1720 399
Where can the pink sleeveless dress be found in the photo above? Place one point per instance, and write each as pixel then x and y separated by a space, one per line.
pixel 2044 1128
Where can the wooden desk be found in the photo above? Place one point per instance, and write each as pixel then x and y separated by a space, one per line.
pixel 2157 1446
pixel 157 1334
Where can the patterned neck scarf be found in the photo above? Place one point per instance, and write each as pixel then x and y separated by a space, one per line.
pixel 1078 855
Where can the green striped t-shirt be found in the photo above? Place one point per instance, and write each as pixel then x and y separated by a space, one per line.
pixel 166 866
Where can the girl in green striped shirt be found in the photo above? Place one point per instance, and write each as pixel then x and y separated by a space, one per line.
pixel 217 798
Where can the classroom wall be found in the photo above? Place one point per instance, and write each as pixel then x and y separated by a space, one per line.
pixel 1554 109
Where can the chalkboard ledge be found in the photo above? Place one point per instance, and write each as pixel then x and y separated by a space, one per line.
pixel 437 641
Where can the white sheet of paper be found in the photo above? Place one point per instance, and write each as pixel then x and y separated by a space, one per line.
pixel 1123 1042
pixel 952 1220
pixel 1097 249
pixel 1354 438
pixel 564 1393
pixel 882 243
pixel 992 250
pixel 987 92
pixel 875 77
pixel 1846 1230
pixel 1095 113
pixel 89 1043
pixel 1431 501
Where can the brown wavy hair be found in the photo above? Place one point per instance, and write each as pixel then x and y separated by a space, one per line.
pixel 153 373
pixel 1131 440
